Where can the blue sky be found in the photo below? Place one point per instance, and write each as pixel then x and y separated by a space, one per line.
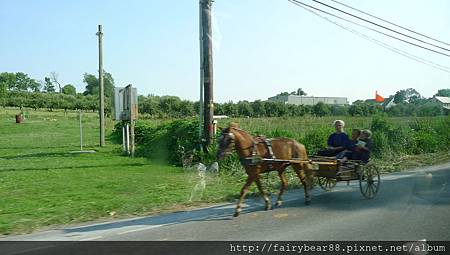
pixel 261 47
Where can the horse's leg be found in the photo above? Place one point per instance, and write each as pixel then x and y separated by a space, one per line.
pixel 306 179
pixel 264 194
pixel 283 186
pixel 244 191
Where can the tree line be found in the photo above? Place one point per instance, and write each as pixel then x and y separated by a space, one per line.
pixel 407 103
pixel 19 90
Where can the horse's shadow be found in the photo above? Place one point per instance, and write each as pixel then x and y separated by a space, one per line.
pixel 412 190
pixel 215 213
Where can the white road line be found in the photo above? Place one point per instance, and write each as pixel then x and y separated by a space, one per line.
pixel 91 238
pixel 141 229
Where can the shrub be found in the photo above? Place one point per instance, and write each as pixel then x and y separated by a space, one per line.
pixel 168 142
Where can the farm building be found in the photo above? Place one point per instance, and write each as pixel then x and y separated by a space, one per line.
pixel 388 102
pixel 307 100
pixel 443 101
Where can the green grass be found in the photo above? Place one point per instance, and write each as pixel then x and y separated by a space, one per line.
pixel 299 126
pixel 42 184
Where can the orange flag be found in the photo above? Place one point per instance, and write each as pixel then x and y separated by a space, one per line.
pixel 378 98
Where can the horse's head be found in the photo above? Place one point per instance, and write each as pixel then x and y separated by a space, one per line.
pixel 225 142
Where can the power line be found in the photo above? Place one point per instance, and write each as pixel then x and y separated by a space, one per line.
pixel 384 45
pixel 373 23
pixel 394 37
pixel 407 29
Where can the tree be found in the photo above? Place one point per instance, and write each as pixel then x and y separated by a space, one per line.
pixel 34 85
pixel 187 108
pixel 22 81
pixel 443 93
pixel 69 89
pixel 283 94
pixel 170 105
pixel 244 109
pixel 300 92
pixel 7 80
pixel 339 110
pixel 259 108
pixel 37 101
pixel 149 105
pixel 54 78
pixel 68 102
pixel 409 95
pixel 295 110
pixel 321 109
pixel 92 84
pixel 275 109
pixel 48 85
pixel 3 90
pixel 230 109
pixel 25 83
pixel 430 108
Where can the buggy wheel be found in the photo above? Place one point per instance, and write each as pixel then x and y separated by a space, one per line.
pixel 326 183
pixel 369 181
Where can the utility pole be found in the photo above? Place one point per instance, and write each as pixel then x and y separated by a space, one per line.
pixel 200 105
pixel 101 88
pixel 207 68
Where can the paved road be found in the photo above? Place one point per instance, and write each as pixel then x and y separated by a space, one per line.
pixel 413 205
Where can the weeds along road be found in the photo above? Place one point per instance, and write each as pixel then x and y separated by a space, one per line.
pixel 412 205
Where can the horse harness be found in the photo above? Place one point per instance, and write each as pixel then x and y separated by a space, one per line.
pixel 256 159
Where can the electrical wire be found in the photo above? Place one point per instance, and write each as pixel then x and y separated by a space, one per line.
pixel 377 31
pixel 373 23
pixel 391 23
pixel 384 45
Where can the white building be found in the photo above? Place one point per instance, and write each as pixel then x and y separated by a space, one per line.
pixel 388 102
pixel 306 100
pixel 443 101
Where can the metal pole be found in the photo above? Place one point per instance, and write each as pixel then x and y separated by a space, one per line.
pixel 127 130
pixel 81 133
pixel 124 146
pixel 132 137
pixel 101 89
pixel 207 70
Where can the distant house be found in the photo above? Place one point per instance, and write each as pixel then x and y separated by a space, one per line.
pixel 306 100
pixel 388 102
pixel 443 101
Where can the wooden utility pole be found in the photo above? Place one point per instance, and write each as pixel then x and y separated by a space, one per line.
pixel 200 105
pixel 101 88
pixel 207 68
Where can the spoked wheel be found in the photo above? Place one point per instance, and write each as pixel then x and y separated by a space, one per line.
pixel 369 181
pixel 326 183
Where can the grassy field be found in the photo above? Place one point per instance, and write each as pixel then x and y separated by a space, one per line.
pixel 42 184
pixel 299 126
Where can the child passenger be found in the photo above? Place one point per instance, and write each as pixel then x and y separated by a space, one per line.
pixel 350 146
pixel 363 149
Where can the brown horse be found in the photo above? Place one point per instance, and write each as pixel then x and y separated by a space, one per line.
pixel 250 149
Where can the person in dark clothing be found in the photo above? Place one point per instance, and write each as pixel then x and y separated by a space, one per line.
pixel 363 147
pixel 336 141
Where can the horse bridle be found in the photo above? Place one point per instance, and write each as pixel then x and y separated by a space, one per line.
pixel 231 144
pixel 232 137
